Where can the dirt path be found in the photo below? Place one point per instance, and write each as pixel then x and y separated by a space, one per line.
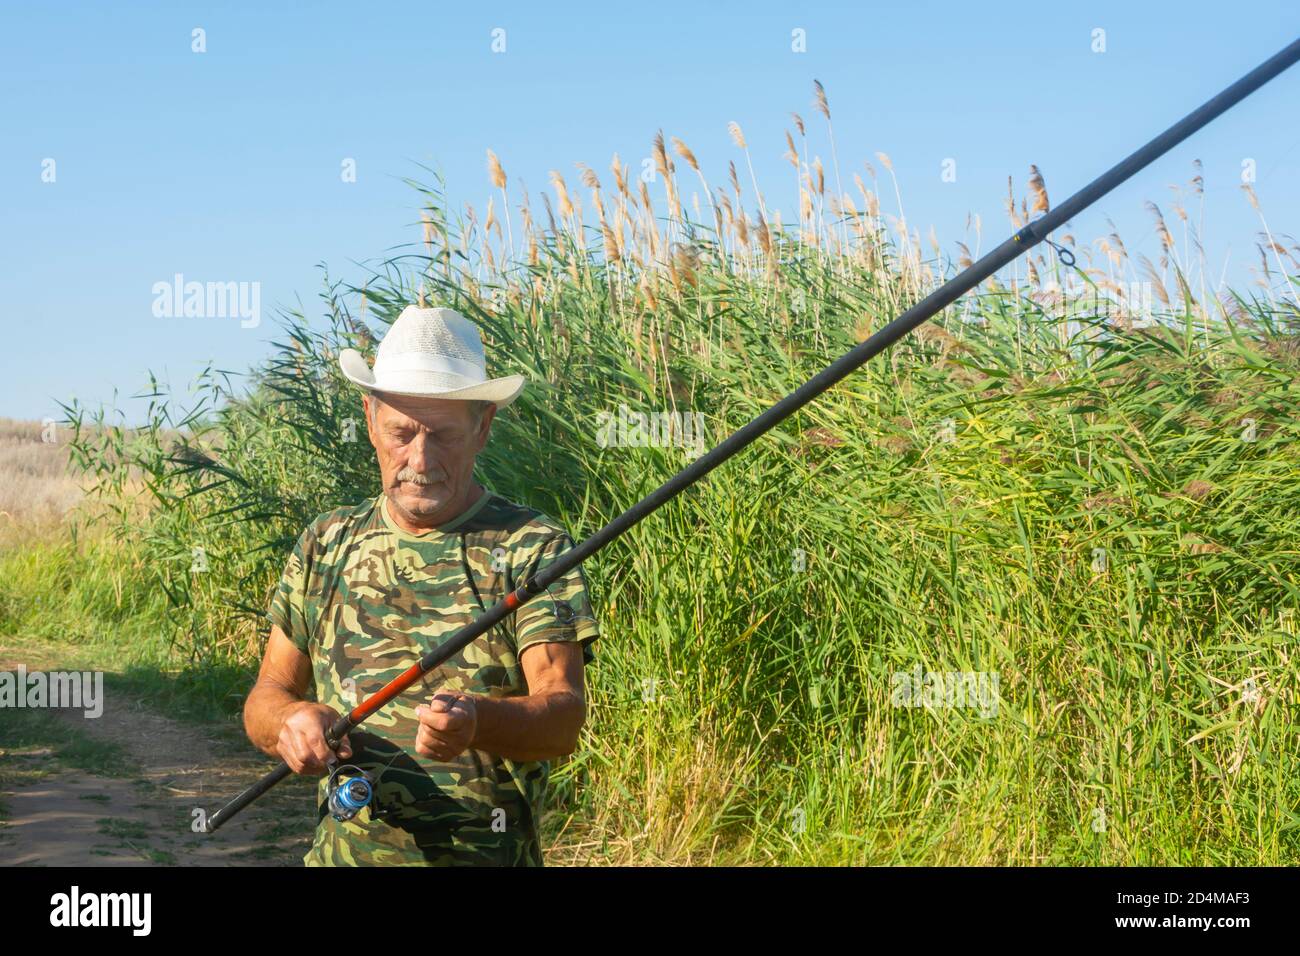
pixel 134 806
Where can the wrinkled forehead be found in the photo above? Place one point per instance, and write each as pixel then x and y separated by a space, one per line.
pixel 432 413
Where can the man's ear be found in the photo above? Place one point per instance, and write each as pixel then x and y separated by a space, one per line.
pixel 371 406
pixel 485 426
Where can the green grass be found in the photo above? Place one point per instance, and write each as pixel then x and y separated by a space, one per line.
pixel 35 743
pixel 1031 492
pixel 25 731
pixel 123 829
pixel 134 835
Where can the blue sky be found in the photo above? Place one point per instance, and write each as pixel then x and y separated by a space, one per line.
pixel 225 165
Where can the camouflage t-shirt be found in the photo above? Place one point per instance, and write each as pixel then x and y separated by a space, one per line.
pixel 364 599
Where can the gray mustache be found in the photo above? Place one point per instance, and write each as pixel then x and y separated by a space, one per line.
pixel 413 476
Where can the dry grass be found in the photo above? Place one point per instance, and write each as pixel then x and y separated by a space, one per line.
pixel 35 484
pixel 40 492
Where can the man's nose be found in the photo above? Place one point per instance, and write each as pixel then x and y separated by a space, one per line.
pixel 418 454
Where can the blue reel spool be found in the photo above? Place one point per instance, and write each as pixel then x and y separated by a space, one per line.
pixel 348 798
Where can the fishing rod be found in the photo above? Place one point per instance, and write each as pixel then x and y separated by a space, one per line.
pixel 1021 242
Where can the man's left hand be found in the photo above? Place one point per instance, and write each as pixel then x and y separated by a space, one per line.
pixel 447 726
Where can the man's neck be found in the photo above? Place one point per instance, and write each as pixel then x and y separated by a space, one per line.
pixel 430 523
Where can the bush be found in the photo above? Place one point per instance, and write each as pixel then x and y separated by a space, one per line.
pixel 1102 516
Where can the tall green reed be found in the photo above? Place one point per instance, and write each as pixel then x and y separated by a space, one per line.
pixel 1103 516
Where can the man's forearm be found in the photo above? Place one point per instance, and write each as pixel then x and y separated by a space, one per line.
pixel 264 712
pixel 535 727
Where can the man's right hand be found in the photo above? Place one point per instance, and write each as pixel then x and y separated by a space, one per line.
pixel 302 738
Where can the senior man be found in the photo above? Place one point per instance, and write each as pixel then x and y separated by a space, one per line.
pixel 459 762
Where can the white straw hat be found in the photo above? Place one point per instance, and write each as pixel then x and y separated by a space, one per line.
pixel 431 353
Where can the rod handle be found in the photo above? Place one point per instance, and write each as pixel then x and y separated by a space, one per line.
pixel 215 821
pixel 337 731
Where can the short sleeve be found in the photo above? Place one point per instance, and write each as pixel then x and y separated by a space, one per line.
pixel 561 613
pixel 289 602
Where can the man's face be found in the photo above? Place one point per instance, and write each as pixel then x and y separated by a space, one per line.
pixel 426 449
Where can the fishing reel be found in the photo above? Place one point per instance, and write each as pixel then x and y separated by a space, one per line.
pixel 346 796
